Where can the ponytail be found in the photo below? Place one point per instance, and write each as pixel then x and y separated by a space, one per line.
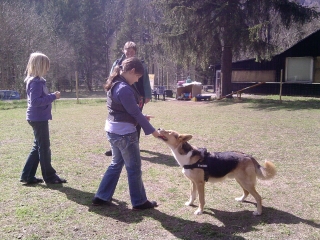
pixel 115 73
pixel 126 65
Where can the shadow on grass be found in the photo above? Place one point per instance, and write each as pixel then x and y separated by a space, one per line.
pixel 273 105
pixel 159 158
pixel 233 222
pixel 244 221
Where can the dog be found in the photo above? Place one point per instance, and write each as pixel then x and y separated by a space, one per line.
pixel 200 166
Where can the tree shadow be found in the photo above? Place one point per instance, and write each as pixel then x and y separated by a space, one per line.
pixel 159 158
pixel 272 104
pixel 233 222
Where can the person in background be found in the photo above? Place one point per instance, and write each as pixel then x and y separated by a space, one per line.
pixel 38 113
pixel 123 116
pixel 143 85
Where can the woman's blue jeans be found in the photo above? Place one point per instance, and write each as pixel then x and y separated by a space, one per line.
pixel 40 153
pixel 125 151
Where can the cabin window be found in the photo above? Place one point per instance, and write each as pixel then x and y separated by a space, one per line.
pixel 299 69
pixel 254 76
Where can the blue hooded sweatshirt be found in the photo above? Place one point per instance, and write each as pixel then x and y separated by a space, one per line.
pixel 39 100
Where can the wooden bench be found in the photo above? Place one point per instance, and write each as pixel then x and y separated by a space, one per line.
pixel 240 91
pixel 202 98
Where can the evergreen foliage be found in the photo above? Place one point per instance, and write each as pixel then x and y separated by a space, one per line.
pixel 174 37
pixel 209 30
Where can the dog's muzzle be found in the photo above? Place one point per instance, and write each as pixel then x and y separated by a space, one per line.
pixel 161 136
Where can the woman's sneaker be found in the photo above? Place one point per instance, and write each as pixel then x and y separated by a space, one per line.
pixel 146 205
pixel 108 153
pixel 98 202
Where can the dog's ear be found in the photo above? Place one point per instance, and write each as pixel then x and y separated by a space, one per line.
pixel 185 137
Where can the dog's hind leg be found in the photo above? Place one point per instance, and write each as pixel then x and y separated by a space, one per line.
pixel 252 190
pixel 193 193
pixel 257 197
pixel 248 186
pixel 244 195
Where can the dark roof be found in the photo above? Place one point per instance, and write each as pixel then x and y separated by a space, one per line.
pixel 307 46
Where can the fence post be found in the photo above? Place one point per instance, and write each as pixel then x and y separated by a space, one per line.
pixel 77 88
pixel 280 93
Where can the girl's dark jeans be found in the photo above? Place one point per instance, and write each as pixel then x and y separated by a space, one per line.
pixel 40 153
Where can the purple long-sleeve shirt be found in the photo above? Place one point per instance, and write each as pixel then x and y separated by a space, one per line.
pixel 39 100
pixel 124 94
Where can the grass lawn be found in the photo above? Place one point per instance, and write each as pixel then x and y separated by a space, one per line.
pixel 288 134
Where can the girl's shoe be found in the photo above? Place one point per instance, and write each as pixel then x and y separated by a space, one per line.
pixel 56 180
pixel 32 181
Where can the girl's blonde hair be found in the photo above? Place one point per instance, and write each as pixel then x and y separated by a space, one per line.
pixel 38 65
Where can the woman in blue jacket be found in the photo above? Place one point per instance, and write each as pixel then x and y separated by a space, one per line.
pixel 124 115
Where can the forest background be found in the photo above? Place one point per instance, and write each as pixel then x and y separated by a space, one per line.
pixel 88 35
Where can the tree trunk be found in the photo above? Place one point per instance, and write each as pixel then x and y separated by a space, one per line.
pixel 226 70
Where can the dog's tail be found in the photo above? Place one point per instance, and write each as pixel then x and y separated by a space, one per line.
pixel 265 172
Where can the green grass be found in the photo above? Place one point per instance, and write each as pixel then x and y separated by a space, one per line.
pixel 287 134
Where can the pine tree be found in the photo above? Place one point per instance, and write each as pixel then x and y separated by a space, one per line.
pixel 133 25
pixel 89 26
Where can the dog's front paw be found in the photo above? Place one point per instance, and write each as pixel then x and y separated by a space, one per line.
pixel 189 203
pixel 257 213
pixel 239 199
pixel 198 212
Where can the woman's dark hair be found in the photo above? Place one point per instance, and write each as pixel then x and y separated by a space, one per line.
pixel 127 65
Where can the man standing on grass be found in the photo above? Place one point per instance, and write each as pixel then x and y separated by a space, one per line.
pixel 142 86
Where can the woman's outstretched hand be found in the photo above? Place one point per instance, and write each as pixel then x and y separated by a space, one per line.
pixel 156 134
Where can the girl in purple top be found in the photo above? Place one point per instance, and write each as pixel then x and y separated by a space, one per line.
pixel 124 115
pixel 38 113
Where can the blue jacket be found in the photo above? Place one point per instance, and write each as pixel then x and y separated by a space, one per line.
pixel 117 112
pixel 124 94
pixel 39 100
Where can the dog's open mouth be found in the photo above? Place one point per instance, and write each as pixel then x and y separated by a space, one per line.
pixel 163 138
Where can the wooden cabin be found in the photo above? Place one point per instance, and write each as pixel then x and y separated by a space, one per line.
pixel 298 66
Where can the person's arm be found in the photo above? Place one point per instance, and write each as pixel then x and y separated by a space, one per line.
pixel 117 62
pixel 126 96
pixel 113 66
pixel 146 85
pixel 37 99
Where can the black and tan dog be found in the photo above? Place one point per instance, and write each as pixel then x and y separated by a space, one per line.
pixel 200 166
